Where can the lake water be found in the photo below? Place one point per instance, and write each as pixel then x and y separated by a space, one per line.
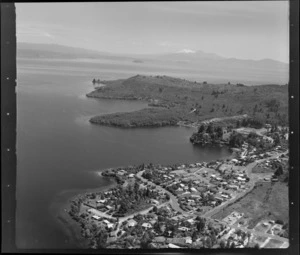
pixel 58 150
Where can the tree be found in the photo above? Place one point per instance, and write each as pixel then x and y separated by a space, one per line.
pixel 276 139
pixel 145 241
pixel 256 246
pixel 222 244
pixel 201 129
pixel 210 129
pixel 219 131
pixel 123 207
pixel 102 240
pixel 208 242
pixel 239 232
pixel 236 140
pixel 194 236
pixel 200 224
pixel 279 171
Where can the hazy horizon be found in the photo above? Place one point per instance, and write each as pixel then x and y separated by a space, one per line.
pixel 243 30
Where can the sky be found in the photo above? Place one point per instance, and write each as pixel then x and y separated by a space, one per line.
pixel 245 30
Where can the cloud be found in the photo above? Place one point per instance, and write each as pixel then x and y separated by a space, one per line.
pixel 186 51
pixel 30 31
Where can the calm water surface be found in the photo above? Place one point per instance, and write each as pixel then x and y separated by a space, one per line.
pixel 58 150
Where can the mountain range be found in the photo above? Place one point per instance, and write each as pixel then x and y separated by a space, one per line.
pixel 209 65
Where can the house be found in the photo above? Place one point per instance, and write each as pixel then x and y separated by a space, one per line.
pixel 106 222
pixel 183 229
pixel 234 187
pixel 191 221
pixel 225 196
pixel 188 240
pixel 108 207
pixel 146 225
pixel 154 201
pixel 96 217
pixel 131 223
pixel 121 172
pixel 213 202
pixel 131 175
pixel 110 225
pixel 101 201
pixel 193 189
pixel 218 198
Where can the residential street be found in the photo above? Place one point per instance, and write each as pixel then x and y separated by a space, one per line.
pixel 209 214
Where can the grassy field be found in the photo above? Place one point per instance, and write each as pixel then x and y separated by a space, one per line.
pixel 179 97
pixel 273 243
pixel 260 169
pixel 266 201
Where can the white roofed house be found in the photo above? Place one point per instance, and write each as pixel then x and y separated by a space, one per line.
pixel 101 201
pixel 188 240
pixel 109 207
pixel 96 217
pixel 154 201
pixel 110 225
pixel 131 223
pixel 193 190
pixel 146 225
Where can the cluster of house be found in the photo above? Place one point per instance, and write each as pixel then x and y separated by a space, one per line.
pixel 238 238
pixel 194 192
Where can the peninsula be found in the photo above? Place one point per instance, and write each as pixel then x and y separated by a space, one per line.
pixel 175 101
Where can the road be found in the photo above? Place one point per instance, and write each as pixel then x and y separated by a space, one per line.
pixel 209 214
pixel 252 181
pixel 173 200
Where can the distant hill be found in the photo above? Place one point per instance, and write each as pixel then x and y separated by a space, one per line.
pixel 183 100
pixel 210 66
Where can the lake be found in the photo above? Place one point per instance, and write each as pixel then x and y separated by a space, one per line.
pixel 59 151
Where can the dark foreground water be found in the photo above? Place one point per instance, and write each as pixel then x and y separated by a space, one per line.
pixel 58 150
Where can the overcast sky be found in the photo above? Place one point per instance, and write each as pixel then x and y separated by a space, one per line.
pixel 246 30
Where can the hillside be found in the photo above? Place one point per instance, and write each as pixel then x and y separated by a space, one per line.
pixel 191 101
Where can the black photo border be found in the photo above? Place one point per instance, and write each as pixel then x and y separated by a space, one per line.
pixel 9 157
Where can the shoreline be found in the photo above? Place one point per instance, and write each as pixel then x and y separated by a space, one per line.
pixel 60 206
pixel 71 228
